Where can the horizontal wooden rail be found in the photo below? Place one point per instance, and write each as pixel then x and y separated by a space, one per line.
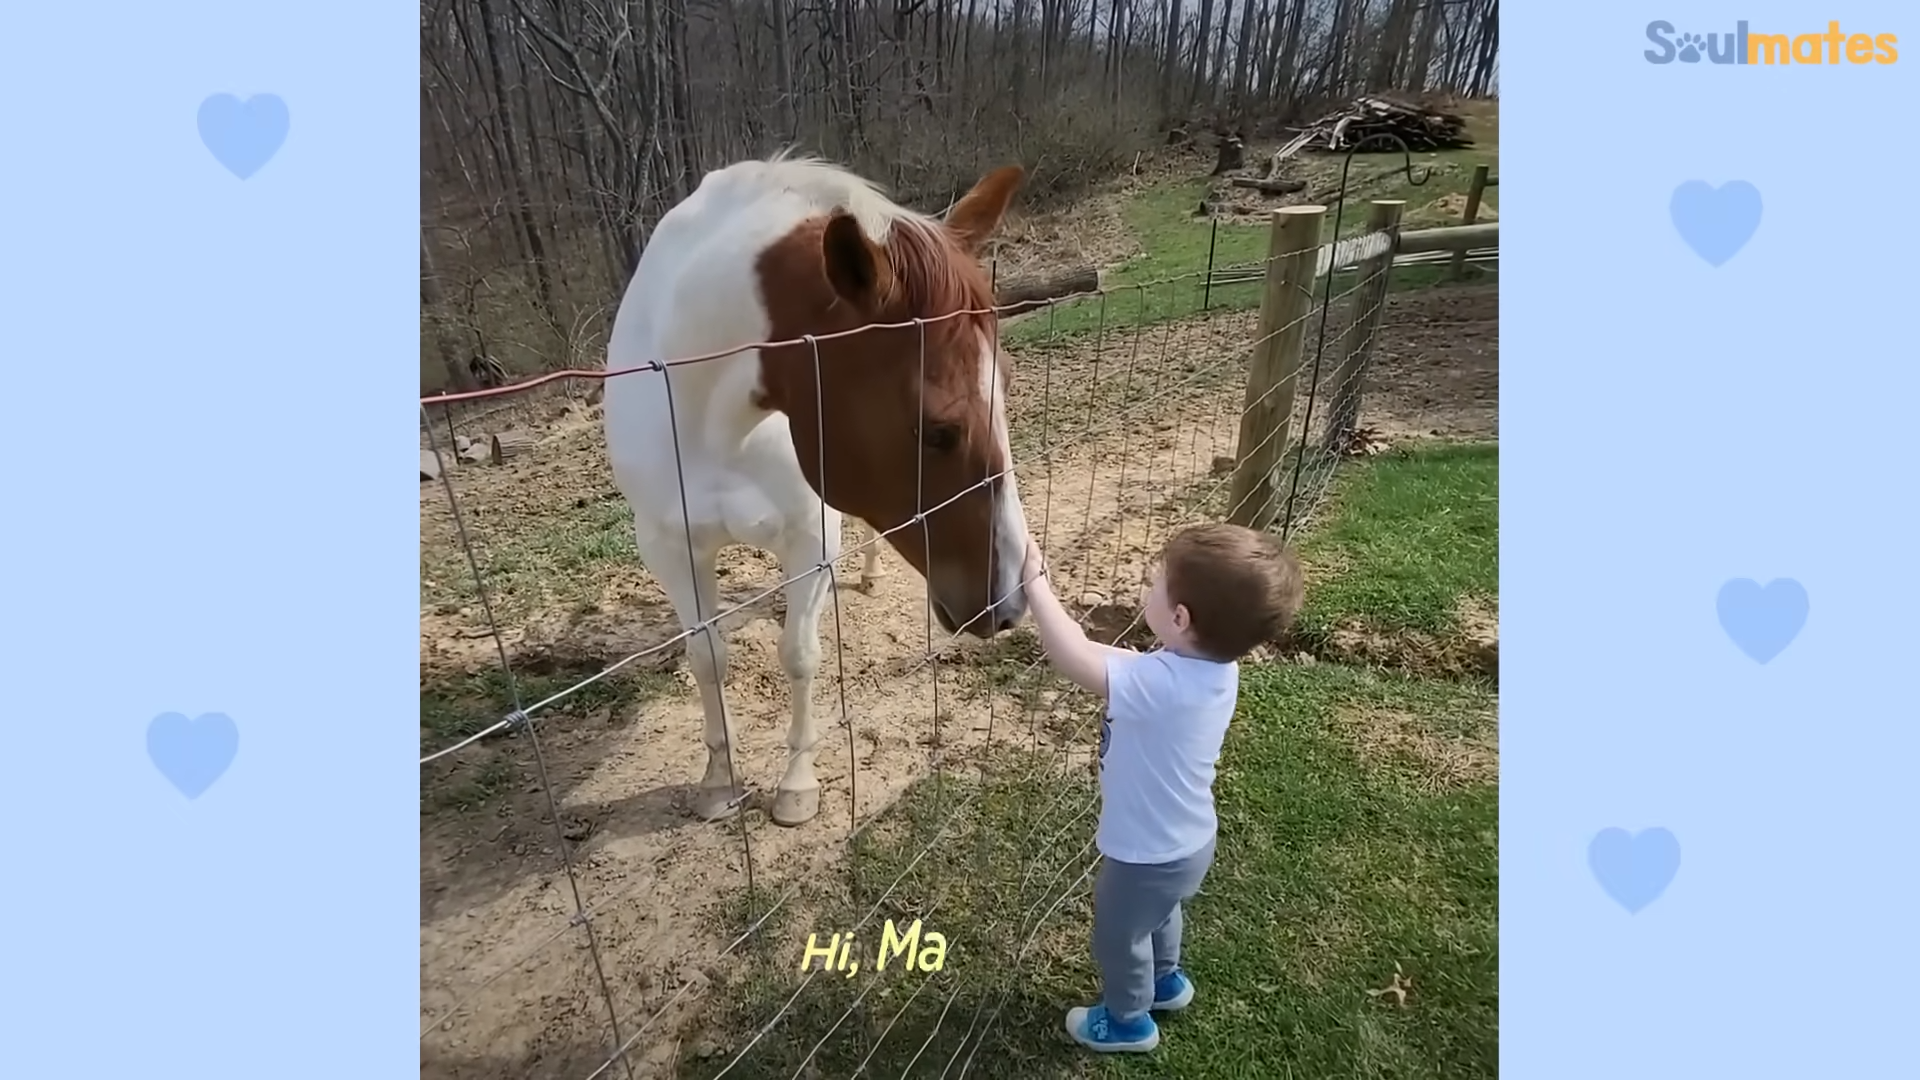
pixel 1450 238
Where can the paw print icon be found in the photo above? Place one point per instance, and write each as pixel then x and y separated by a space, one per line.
pixel 1690 46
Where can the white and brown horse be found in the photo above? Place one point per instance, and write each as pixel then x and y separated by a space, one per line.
pixel 897 421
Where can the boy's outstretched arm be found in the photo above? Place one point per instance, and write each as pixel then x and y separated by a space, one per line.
pixel 1072 655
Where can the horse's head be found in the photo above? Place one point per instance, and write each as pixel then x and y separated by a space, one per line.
pixel 914 417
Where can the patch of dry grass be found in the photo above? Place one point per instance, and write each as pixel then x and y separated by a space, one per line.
pixel 1436 756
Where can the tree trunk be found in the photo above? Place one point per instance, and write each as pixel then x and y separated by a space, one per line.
pixel 1200 53
pixel 1289 61
pixel 433 306
pixel 1214 82
pixel 783 70
pixel 1019 54
pixel 1395 38
pixel 1241 54
pixel 1346 16
pixel 1489 44
pixel 1170 59
pixel 516 178
pixel 1422 58
pixel 687 172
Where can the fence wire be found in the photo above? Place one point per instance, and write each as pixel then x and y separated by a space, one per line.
pixel 1181 378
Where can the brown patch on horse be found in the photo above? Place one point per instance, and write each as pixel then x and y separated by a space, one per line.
pixel 974 218
pixel 826 277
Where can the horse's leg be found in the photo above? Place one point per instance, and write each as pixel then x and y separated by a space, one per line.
pixel 798 799
pixel 870 568
pixel 694 590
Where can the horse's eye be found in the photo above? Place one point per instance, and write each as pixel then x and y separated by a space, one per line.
pixel 941 438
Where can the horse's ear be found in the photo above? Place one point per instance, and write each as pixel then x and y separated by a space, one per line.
pixel 857 267
pixel 978 213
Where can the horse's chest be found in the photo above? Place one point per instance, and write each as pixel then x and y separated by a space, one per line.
pixel 745 510
pixel 747 489
pixel 756 497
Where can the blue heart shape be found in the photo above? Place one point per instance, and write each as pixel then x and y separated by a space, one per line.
pixel 1716 222
pixel 243 136
pixel 192 753
pixel 1634 869
pixel 1762 621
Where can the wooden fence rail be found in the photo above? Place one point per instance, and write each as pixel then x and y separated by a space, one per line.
pixel 1415 247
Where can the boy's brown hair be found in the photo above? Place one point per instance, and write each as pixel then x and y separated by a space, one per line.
pixel 1241 588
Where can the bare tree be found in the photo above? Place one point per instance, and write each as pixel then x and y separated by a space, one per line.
pixel 554 133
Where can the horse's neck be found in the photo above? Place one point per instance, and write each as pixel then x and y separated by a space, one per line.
pixel 715 402
pixel 696 292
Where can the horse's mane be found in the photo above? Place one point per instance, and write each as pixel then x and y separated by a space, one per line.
pixel 938 276
pixel 828 187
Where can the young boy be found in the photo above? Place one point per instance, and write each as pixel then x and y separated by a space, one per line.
pixel 1218 591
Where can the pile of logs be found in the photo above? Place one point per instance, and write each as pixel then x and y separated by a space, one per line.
pixel 1420 128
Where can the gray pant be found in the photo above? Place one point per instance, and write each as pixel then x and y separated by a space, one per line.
pixel 1136 925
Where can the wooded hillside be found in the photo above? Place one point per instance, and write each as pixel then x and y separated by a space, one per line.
pixel 555 132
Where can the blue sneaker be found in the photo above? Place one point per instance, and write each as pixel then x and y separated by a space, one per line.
pixel 1172 991
pixel 1096 1029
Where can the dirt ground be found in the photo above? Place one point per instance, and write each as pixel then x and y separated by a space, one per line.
pixel 510 982
pixel 1435 372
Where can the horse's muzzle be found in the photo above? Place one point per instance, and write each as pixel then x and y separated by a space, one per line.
pixel 1002 617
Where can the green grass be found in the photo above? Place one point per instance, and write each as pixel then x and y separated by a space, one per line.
pixel 1337 862
pixel 1174 245
pixel 523 568
pixel 1411 535
pixel 453 707
pixel 1358 837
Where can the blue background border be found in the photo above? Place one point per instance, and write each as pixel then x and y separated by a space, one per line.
pixel 177 337
pixel 212 386
pixel 1668 426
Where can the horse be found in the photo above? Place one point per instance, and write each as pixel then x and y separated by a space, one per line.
pixel 900 426
pixel 487 373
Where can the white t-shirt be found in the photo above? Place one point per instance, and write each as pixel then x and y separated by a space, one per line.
pixel 1166 718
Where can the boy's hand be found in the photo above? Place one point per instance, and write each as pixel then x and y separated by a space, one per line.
pixel 1082 661
pixel 1035 565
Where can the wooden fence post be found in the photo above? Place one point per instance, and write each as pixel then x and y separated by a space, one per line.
pixel 1369 305
pixel 1468 216
pixel 1292 248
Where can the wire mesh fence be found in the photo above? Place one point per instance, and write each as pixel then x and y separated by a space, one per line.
pixel 577 923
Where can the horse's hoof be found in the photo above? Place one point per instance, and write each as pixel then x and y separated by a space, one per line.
pixel 717 804
pixel 796 807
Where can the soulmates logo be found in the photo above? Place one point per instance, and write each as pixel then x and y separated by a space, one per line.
pixel 1744 47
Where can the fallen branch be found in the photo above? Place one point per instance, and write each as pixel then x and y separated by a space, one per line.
pixel 1030 294
pixel 1270 187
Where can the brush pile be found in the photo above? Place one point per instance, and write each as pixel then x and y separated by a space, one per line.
pixel 1420 128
